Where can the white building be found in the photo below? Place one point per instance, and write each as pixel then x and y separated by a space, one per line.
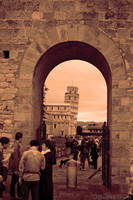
pixel 61 119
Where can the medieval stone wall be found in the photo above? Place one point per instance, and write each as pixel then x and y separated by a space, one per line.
pixel 28 28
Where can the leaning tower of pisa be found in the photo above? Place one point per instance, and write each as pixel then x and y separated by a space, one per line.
pixel 72 97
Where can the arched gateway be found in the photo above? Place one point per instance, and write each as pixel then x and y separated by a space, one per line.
pixel 81 42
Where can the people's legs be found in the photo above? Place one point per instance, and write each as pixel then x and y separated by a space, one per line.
pixel 19 189
pixel 35 190
pixel 88 158
pixel 95 163
pixel 75 156
pixel 83 160
pixel 12 186
pixel 26 186
pixel 1 191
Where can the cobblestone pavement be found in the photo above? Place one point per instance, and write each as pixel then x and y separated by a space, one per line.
pixel 87 189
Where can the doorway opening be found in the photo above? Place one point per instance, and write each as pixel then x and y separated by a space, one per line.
pixel 62 52
pixel 92 112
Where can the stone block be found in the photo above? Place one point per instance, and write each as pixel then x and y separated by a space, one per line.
pixel 124 117
pixel 37 15
pixel 119 162
pixel 23 125
pixel 8 126
pixel 6 33
pixel 118 92
pixel 63 6
pixel 117 152
pixel 75 15
pixel 4 84
pixel 28 116
pixel 18 116
pixel 124 171
pixel 62 33
pixel 7 96
pixel 118 190
pixel 23 83
pixel 13 54
pixel 11 90
pixel 25 91
pixel 76 32
pixel 52 36
pixel 8 135
pixel 7 121
pixel 125 101
pixel 37 24
pixel 114 117
pixel 28 23
pixel 115 171
pixel 23 108
pixel 115 188
pixel 116 101
pixel 31 55
pixel 48 15
pixel 10 105
pixel 26 75
pixel 122 135
pixel 27 69
pixel 91 35
pixel 124 84
pixel 41 42
pixel 122 16
pixel 46 6
pixel 60 15
pixel 3 14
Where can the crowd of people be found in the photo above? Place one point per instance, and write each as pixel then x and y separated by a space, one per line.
pixel 31 170
pixel 86 148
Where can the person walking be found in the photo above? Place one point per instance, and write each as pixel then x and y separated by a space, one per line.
pixel 84 154
pixel 14 166
pixel 94 155
pixel 46 182
pixel 75 150
pixel 31 162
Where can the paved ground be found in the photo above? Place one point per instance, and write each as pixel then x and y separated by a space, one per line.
pixel 87 189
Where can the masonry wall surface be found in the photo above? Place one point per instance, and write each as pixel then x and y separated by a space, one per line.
pixel 29 28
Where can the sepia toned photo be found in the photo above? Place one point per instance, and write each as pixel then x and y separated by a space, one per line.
pixel 66 99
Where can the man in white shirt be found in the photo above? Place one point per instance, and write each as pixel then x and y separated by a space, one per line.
pixel 32 161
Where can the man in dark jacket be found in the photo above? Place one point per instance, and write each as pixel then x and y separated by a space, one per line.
pixel 14 162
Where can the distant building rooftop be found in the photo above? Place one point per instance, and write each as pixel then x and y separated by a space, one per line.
pixel 57 104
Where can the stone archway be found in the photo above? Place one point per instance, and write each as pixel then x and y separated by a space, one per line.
pixel 63 43
pixel 68 51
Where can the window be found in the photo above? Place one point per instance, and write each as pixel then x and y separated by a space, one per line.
pixel 54 125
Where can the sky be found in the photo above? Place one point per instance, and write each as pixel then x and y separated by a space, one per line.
pixel 91 88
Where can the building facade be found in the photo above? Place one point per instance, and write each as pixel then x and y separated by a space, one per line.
pixel 61 119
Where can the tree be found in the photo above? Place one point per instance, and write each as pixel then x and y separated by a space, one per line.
pixel 43 128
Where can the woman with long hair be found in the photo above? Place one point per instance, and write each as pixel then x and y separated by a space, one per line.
pixel 46 182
